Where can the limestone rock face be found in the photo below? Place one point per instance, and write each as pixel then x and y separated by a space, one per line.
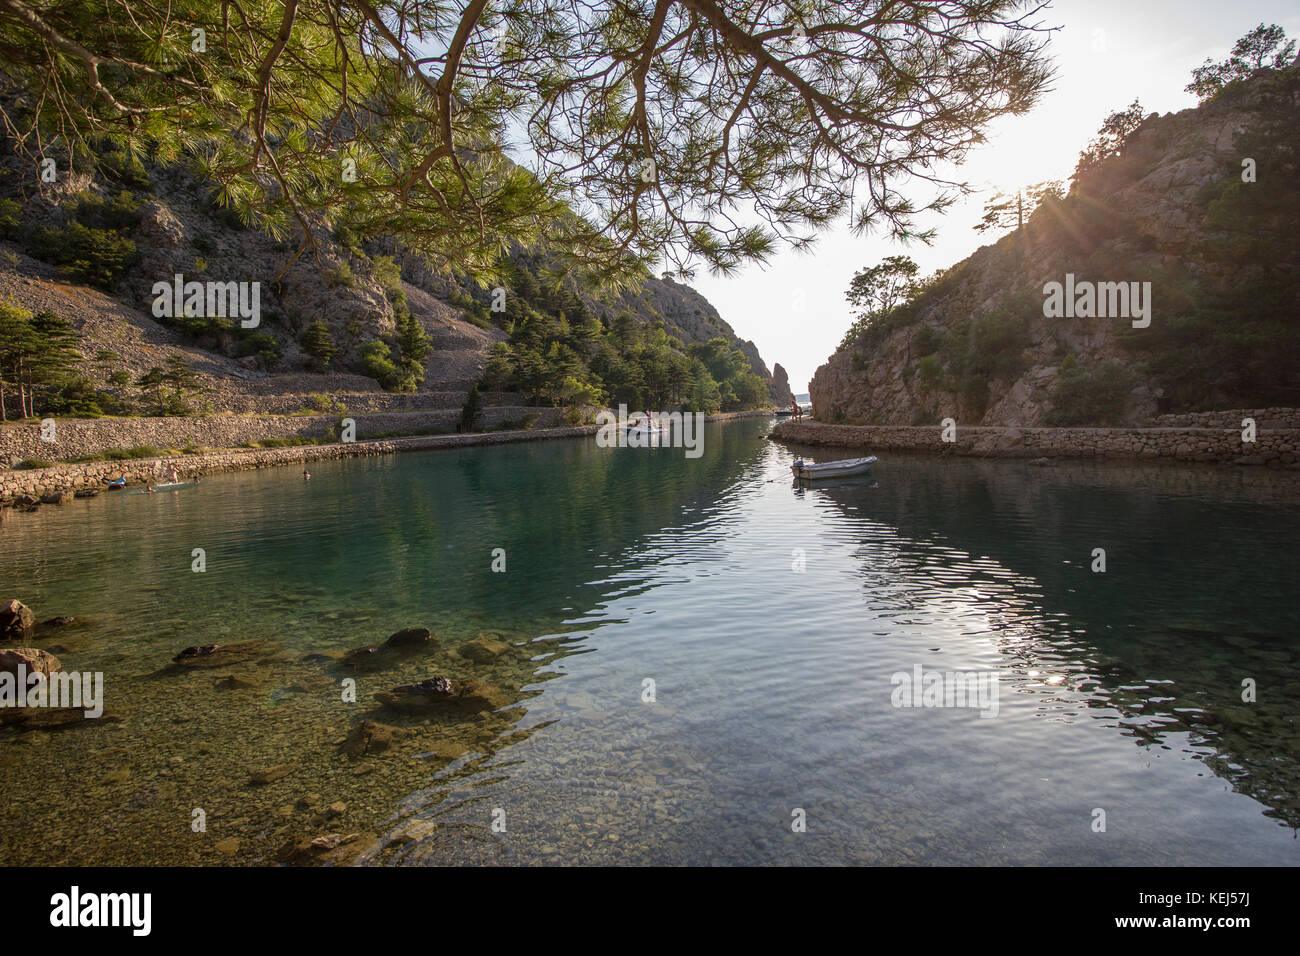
pixel 182 230
pixel 1139 216
pixel 781 392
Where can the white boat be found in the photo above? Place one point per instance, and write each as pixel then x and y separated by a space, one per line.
pixel 832 469
pixel 644 427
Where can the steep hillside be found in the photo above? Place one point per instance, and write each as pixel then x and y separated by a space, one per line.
pixel 1171 210
pixel 91 245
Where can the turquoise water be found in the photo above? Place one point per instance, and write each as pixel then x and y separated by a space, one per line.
pixel 769 618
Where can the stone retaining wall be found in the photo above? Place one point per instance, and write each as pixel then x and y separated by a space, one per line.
pixel 1232 418
pixel 81 437
pixel 356 403
pixel 1276 447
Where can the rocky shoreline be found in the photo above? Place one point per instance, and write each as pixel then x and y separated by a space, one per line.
pixel 30 487
pixel 1273 447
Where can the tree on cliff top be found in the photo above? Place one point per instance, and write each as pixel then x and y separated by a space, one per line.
pixel 1111 137
pixel 1265 47
pixel 1007 210
pixel 878 289
pixel 682 130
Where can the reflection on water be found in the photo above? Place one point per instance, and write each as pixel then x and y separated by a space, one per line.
pixel 658 683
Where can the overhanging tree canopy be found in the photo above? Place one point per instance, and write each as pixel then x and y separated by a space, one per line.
pixel 677 130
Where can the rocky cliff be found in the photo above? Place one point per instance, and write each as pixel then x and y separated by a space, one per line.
pixel 160 221
pixel 781 387
pixel 1178 213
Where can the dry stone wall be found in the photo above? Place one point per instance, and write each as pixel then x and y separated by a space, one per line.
pixel 1274 447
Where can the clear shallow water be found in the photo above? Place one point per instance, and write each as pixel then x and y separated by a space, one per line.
pixel 1118 691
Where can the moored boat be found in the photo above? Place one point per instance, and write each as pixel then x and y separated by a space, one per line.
pixel 644 427
pixel 832 469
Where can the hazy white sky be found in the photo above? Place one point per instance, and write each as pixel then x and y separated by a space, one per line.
pixel 1107 53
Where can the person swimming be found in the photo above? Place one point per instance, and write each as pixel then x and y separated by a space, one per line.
pixel 306 475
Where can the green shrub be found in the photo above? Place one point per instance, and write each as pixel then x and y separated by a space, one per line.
pixel 930 371
pixel 126 454
pixel 11 218
pixel 342 276
pixel 98 257
pixel 328 404
pixel 377 362
pixel 78 398
pixel 472 410
pixel 265 347
pixel 927 340
pixel 1089 396
pixel 318 343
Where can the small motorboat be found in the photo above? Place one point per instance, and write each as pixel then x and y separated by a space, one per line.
pixel 644 426
pixel 832 469
pixel 117 484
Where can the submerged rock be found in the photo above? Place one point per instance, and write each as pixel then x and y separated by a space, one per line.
pixel 329 849
pixel 238 682
pixel 371 737
pixel 16 621
pixel 439 693
pixel 32 660
pixel 483 649
pixel 221 655
pixel 411 637
pixel 369 655
pixel 259 778
pixel 413 831
pixel 406 641
pixel 320 657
